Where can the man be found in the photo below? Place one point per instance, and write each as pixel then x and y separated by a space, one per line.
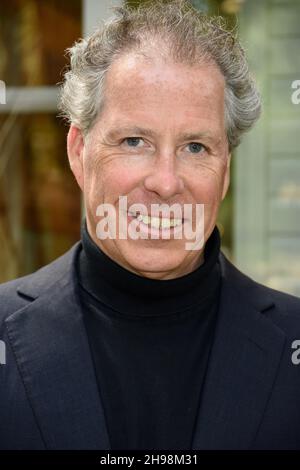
pixel 138 338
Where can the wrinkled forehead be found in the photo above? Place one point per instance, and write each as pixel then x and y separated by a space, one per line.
pixel 165 92
pixel 135 69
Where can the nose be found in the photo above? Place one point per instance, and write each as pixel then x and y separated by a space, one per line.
pixel 164 179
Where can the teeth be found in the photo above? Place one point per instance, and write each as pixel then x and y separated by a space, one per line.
pixel 166 223
pixel 156 222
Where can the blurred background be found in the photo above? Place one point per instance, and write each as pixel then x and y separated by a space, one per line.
pixel 40 203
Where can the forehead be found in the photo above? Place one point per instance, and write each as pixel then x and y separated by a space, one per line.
pixel 140 87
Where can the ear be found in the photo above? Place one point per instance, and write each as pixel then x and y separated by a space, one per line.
pixel 227 177
pixel 75 148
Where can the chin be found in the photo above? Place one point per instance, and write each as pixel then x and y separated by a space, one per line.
pixel 154 263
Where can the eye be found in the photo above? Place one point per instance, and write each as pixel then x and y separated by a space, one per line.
pixel 132 141
pixel 196 147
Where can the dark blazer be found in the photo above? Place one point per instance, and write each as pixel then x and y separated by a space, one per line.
pixel 48 391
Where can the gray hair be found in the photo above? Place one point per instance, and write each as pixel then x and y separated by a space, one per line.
pixel 179 32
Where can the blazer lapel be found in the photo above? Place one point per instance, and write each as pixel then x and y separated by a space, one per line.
pixel 52 351
pixel 244 360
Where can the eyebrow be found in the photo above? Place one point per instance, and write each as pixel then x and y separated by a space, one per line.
pixel 114 133
pixel 131 130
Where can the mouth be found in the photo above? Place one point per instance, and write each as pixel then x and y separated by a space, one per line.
pixel 161 223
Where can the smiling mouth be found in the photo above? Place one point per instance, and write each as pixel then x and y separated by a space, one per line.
pixel 163 223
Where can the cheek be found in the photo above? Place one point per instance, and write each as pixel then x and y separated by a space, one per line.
pixel 108 182
pixel 118 179
pixel 208 187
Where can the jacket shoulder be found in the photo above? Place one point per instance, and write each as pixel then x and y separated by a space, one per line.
pixel 257 292
pixel 16 293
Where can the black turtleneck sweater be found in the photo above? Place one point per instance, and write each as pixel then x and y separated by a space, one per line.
pixel 150 342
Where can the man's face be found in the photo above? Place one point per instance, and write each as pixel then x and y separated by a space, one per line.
pixel 142 147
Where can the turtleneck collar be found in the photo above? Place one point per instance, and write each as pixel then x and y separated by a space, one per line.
pixel 126 292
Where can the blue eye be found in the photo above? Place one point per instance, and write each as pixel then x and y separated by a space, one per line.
pixel 132 141
pixel 195 147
